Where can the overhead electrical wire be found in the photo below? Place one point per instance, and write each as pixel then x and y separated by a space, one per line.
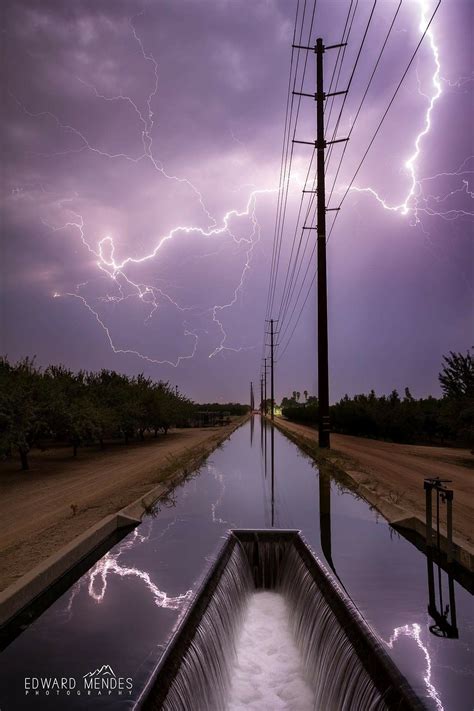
pixel 365 153
pixel 354 122
pixel 349 83
pixel 286 302
pixel 379 126
pixel 279 234
pixel 286 170
pixel 288 286
pixel 289 103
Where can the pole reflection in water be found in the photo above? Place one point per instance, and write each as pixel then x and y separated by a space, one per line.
pixel 325 521
pixel 272 448
pixel 444 617
pixel 263 471
pixel 252 425
pixel 325 515
pixel 265 423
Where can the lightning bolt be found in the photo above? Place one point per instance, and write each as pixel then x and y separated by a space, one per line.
pixel 413 631
pixel 109 564
pixel 116 271
pixel 459 82
pixel 97 578
pixel 415 202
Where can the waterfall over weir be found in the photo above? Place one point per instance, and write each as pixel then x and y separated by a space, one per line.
pixel 344 664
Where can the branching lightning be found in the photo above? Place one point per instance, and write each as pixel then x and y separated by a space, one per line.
pixel 413 631
pixel 116 270
pixel 109 564
pixel 97 578
pixel 416 202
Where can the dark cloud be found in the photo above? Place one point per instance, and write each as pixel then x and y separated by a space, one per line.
pixel 79 93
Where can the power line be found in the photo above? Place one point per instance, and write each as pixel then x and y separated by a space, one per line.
pixel 287 293
pixel 283 191
pixel 344 41
pixel 390 103
pixel 336 127
pixel 279 237
pixel 352 128
pixel 285 166
pixel 280 355
pixel 289 283
pixel 366 151
pixel 364 96
pixel 286 298
pixel 290 96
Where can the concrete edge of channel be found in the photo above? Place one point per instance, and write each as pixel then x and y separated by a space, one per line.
pixel 396 515
pixel 17 596
pixel 23 591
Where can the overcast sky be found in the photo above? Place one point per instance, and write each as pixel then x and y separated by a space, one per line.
pixel 142 158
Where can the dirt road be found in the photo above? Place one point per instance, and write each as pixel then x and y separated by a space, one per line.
pixel 395 472
pixel 59 498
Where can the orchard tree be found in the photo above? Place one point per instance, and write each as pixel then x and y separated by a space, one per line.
pixel 457 382
pixel 457 376
pixel 23 407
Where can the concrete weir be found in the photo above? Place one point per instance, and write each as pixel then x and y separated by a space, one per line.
pixel 343 664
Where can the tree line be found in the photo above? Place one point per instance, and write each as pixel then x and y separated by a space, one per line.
pixel 55 404
pixel 445 420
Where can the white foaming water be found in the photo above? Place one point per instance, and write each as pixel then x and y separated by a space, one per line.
pixel 267 674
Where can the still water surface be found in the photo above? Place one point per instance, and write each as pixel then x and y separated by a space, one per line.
pixel 123 610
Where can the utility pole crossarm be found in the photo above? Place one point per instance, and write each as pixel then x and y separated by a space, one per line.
pixel 323 144
pixel 315 96
pixel 315 48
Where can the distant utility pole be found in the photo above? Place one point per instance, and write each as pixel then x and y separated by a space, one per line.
pixel 261 395
pixel 320 144
pixel 272 382
pixel 272 373
pixel 265 366
pixel 252 403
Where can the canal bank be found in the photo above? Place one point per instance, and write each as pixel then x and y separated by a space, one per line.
pixel 58 551
pixel 390 477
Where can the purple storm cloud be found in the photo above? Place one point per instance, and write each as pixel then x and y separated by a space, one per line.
pixel 142 148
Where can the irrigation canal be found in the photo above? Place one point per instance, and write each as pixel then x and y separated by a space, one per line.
pixel 122 611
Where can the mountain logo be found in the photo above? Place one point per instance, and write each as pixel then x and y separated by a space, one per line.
pixel 104 680
pixel 104 671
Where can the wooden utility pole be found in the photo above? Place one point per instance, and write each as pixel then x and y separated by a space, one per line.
pixel 272 381
pixel 320 145
pixel 272 372
pixel 323 365
pixel 265 385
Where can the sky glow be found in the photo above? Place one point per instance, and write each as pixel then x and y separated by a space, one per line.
pixel 141 182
